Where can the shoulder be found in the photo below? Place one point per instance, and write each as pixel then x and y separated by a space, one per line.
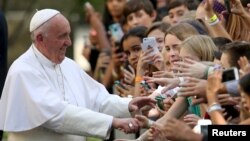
pixel 25 63
pixel 71 63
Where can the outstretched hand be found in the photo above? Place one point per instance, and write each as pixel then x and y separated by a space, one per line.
pixel 127 125
pixel 139 102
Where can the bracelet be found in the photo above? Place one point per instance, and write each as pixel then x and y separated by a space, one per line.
pixel 214 107
pixel 214 23
pixel 212 19
pixel 138 79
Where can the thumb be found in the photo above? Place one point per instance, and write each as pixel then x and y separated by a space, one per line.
pixel 133 108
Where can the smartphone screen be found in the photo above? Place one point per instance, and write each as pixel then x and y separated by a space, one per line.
pixel 230 74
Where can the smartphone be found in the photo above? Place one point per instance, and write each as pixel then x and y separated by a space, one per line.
pixel 116 32
pixel 126 66
pixel 227 4
pixel 159 101
pixel 117 82
pixel 145 85
pixel 230 74
pixel 150 42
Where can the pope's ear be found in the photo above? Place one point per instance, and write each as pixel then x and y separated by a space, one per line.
pixel 39 38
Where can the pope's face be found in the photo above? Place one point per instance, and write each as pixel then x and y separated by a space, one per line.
pixel 57 39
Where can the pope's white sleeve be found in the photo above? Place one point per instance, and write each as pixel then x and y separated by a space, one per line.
pixel 81 121
pixel 116 106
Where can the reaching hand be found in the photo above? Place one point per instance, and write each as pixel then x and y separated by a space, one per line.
pixel 143 121
pixel 227 99
pixel 169 83
pixel 160 74
pixel 139 102
pixel 244 65
pixel 214 82
pixel 191 120
pixel 103 61
pixel 178 131
pixel 126 90
pixel 190 68
pixel 194 87
pixel 237 8
pixel 159 61
pixel 144 59
pixel 127 125
pixel 129 75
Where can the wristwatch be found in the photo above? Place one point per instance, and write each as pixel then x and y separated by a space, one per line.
pixel 214 107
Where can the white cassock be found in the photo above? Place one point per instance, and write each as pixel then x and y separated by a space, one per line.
pixel 42 101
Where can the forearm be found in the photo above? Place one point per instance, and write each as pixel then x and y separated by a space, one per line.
pixel 176 110
pixel 108 78
pixel 80 121
pixel 101 33
pixel 216 30
pixel 215 115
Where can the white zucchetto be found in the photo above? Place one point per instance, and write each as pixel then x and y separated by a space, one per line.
pixel 40 17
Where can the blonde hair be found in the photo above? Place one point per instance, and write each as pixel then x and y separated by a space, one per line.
pixel 237 28
pixel 182 31
pixel 201 45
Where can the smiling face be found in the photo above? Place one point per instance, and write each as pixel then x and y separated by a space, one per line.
pixel 172 46
pixel 132 48
pixel 55 39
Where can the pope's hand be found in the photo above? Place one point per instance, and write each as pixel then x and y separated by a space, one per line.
pixel 139 102
pixel 127 125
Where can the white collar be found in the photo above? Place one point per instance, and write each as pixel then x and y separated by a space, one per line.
pixel 42 59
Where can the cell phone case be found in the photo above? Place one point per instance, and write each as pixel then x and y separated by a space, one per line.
pixel 116 31
pixel 150 42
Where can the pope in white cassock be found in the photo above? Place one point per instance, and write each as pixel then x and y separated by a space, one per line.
pixel 48 97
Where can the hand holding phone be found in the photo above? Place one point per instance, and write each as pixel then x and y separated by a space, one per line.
pixel 150 42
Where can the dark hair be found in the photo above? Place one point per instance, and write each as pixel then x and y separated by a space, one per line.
pixel 219 42
pixel 162 26
pixel 175 4
pixel 136 5
pixel 245 83
pixel 107 18
pixel 138 31
pixel 235 50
